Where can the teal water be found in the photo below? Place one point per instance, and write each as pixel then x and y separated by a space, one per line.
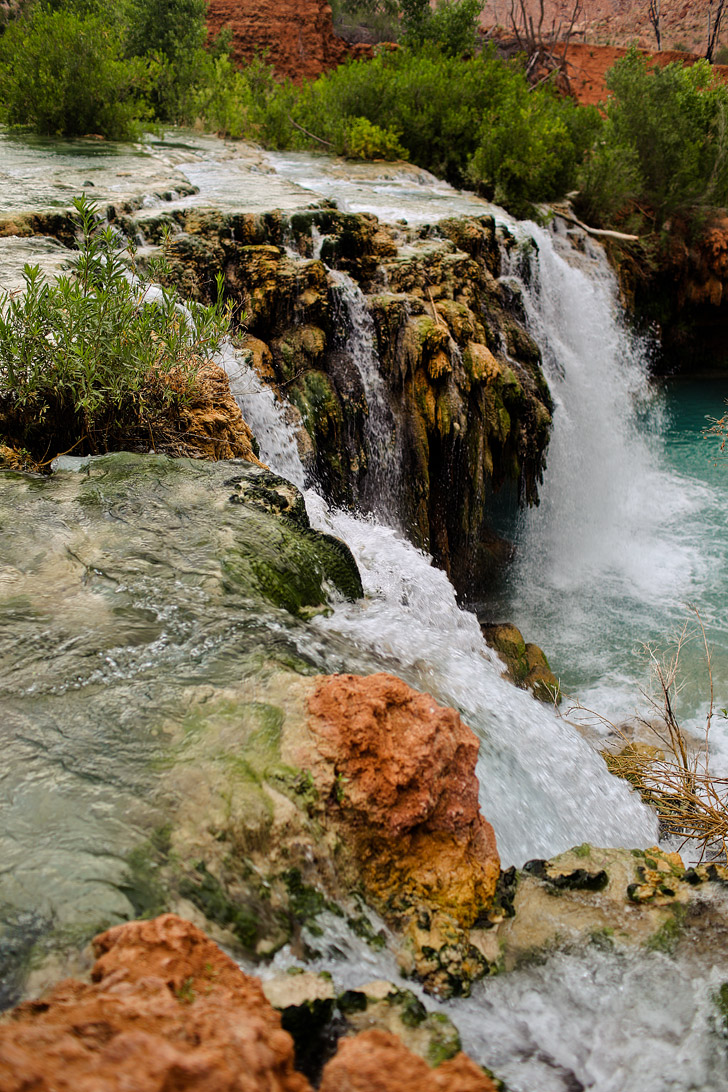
pixel 666 557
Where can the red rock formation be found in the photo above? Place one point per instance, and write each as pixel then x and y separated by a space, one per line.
pixel 587 67
pixel 298 34
pixel 683 23
pixel 375 1061
pixel 167 1012
pixel 399 771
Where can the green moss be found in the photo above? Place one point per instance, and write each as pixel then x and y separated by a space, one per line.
pixel 362 927
pixel 411 1011
pixel 669 933
pixel 305 902
pixel 143 886
pixel 584 850
pixel 721 1002
pixel 444 1039
pixel 208 895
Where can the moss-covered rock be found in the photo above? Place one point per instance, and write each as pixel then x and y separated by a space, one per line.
pixel 526 664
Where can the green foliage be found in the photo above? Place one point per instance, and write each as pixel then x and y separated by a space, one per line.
pixel 452 25
pixel 664 143
pixel 63 73
pixel 364 140
pixel 86 360
pixel 468 120
pixel 173 33
pixel 530 147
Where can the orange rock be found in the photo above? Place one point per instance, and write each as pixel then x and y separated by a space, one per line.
pixel 211 425
pixel 375 1061
pixel 167 1012
pixel 298 34
pixel 399 775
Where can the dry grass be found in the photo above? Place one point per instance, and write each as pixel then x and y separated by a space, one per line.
pixel 672 772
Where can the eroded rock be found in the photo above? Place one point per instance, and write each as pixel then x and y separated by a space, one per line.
pixel 526 664
pixel 621 897
pixel 166 1009
pixel 376 1061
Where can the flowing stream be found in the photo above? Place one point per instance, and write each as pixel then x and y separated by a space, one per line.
pixel 630 528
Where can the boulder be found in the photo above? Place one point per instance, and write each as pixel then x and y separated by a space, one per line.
pixel 526 664
pixel 166 1009
pixel 376 1061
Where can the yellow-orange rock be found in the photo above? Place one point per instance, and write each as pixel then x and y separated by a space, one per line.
pixel 375 1061
pixel 167 1012
pixel 210 424
pixel 398 773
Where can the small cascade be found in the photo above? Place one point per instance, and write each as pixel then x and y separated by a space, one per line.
pixel 542 786
pixel 265 415
pixel 382 483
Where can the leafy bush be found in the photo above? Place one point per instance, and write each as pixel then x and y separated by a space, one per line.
pixel 63 73
pixel 96 357
pixel 468 120
pixel 174 33
pixel 664 142
pixel 452 25
pixel 364 140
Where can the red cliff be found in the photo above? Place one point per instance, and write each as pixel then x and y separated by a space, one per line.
pixel 298 35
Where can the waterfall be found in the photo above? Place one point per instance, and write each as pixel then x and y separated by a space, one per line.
pixel 381 489
pixel 608 556
pixel 542 786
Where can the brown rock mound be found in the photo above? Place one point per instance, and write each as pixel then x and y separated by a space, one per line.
pixel 401 773
pixel 167 1011
pixel 375 1061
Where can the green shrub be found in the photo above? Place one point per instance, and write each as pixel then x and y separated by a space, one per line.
pixel 173 32
pixel 664 143
pixel 470 120
pixel 63 73
pixel 364 140
pixel 452 25
pixel 96 357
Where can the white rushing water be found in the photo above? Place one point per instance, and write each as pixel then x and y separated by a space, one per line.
pixel 622 540
pixel 383 480
pixel 542 786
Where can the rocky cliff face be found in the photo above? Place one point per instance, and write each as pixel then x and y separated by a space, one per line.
pixel 682 296
pixel 617 22
pixel 463 411
pixel 298 35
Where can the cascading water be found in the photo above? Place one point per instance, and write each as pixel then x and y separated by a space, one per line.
pixel 621 542
pixel 543 788
pixel 381 488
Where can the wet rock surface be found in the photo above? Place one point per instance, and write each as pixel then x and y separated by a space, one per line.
pixel 375 1061
pixel 468 408
pixel 526 663
pixel 616 897
pixel 166 1009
